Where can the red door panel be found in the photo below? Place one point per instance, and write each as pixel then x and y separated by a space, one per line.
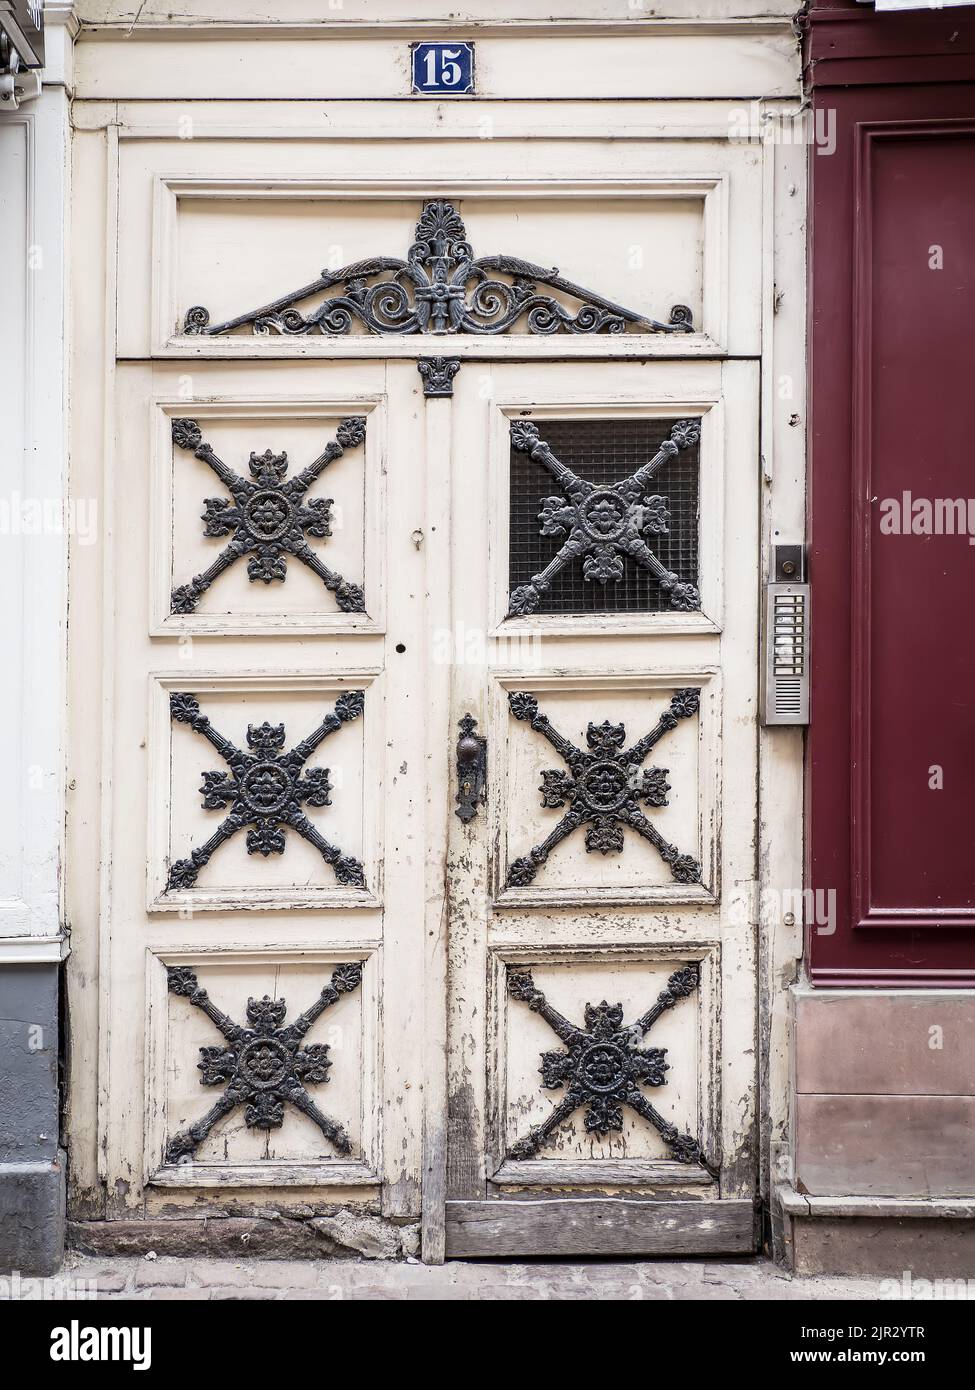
pixel 891 746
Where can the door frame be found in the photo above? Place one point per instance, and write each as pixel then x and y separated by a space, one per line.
pixel 102 133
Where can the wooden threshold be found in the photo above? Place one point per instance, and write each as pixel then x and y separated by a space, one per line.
pixel 600 1226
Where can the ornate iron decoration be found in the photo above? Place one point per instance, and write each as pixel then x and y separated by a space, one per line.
pixel 603 1067
pixel 268 517
pixel 604 787
pixel 471 770
pixel 440 288
pixel 601 525
pixel 266 789
pixel 262 1066
pixel 438 374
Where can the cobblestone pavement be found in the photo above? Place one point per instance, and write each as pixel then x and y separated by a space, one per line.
pixel 165 1278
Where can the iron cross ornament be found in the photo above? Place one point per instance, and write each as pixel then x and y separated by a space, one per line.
pixel 268 517
pixel 603 1065
pixel 603 787
pixel 262 1065
pixel 266 789
pixel 603 526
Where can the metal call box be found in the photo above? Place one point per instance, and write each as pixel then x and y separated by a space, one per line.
pixel 785 639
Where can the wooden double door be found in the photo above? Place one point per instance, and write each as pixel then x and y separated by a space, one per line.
pixel 428 747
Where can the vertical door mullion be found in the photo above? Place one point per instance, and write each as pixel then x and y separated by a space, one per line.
pixel 436 542
pixel 468 875
pixel 404 928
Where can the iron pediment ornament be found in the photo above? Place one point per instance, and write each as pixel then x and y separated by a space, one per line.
pixel 441 287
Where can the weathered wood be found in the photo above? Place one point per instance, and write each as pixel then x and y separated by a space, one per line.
pixel 599 1226
pixel 332 1174
pixel 435 828
pixel 594 1172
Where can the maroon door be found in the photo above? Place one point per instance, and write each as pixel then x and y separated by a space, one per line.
pixel 891 749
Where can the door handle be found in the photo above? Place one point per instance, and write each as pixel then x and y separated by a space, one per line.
pixel 471 755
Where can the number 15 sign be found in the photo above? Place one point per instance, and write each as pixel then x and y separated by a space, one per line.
pixel 443 69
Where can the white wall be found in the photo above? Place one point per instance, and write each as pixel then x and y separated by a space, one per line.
pixel 34 143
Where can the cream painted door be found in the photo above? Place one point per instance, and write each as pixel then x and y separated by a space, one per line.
pixel 288 947
pixel 267 745
pixel 281 740
pixel 601 1003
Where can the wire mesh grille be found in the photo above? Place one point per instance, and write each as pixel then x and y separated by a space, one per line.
pixel 604 452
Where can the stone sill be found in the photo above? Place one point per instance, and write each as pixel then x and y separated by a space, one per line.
pixel 800 1204
pixel 33 950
